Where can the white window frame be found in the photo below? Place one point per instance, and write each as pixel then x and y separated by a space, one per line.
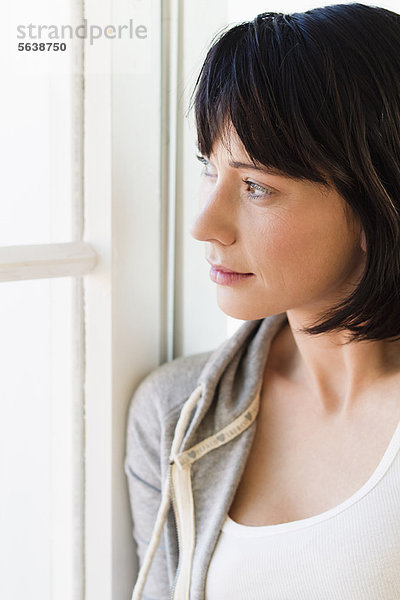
pixel 133 258
pixel 123 296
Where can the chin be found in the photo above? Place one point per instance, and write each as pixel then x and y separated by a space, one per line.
pixel 244 312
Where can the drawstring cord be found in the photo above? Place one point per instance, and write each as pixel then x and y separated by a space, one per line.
pixel 166 495
pixel 232 430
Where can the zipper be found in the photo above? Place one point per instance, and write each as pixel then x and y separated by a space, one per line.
pixel 183 505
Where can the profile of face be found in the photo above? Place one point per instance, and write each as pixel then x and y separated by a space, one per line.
pixel 293 238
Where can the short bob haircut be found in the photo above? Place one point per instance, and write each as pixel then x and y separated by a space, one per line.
pixel 316 95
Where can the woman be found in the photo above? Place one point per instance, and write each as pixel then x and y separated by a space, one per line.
pixel 279 448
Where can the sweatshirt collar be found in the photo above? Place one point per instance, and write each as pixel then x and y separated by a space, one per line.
pixel 233 372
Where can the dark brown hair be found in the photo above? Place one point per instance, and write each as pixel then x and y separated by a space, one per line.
pixel 317 96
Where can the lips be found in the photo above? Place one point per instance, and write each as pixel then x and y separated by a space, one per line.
pixel 224 269
pixel 224 276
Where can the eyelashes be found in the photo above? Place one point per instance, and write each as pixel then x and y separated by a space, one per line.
pixel 204 162
pixel 201 158
pixel 263 192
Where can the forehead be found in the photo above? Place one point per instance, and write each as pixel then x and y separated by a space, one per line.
pixel 230 148
pixel 229 143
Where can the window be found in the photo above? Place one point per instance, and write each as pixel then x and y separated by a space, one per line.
pixel 41 262
pixel 101 281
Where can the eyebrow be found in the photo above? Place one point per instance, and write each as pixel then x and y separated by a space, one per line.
pixel 235 164
pixel 241 165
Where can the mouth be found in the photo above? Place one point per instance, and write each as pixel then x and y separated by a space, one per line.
pixel 225 276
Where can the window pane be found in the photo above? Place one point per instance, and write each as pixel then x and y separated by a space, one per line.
pixel 40 442
pixel 40 126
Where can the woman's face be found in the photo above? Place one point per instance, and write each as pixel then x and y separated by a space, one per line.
pixel 290 237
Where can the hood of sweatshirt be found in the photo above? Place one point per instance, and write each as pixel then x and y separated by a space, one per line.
pixel 211 443
pixel 232 375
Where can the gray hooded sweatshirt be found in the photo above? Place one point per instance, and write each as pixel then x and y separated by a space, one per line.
pixel 190 427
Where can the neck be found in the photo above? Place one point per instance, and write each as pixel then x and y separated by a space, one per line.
pixel 336 376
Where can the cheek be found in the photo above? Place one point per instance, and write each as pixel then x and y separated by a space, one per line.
pixel 274 242
pixel 305 251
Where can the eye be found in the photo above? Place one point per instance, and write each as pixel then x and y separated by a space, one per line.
pixel 205 162
pixel 256 191
pixel 201 158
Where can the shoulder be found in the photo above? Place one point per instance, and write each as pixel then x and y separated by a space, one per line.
pixel 153 412
pixel 165 389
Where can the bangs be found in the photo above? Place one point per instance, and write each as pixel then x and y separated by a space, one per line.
pixel 258 81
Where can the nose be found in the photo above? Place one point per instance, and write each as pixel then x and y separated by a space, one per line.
pixel 216 219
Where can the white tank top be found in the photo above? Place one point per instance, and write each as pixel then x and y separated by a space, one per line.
pixel 350 552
